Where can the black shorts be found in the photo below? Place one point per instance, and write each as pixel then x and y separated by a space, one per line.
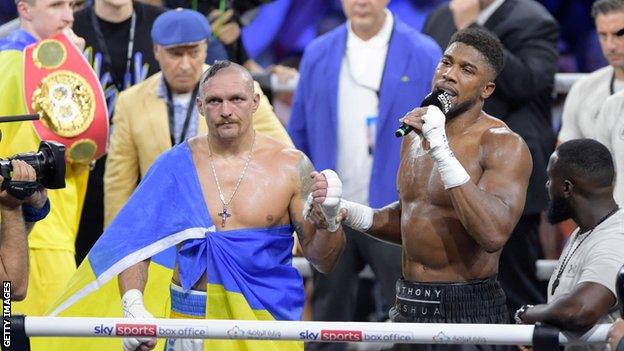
pixel 476 301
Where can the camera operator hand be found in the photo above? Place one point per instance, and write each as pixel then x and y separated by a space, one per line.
pixel 36 205
pixel 22 172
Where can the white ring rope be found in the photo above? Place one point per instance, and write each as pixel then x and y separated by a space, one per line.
pixel 410 333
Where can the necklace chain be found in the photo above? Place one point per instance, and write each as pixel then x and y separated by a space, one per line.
pixel 225 214
pixel 571 252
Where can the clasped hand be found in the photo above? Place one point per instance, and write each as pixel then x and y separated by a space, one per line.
pixel 323 205
pixel 429 122
pixel 23 172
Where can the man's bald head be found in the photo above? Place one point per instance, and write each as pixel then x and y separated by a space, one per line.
pixel 227 100
pixel 586 163
pixel 224 65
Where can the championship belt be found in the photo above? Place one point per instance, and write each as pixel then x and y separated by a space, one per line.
pixel 61 87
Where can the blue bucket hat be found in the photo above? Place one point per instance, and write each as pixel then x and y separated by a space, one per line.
pixel 180 27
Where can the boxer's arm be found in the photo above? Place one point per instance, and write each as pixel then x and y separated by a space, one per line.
pixel 386 223
pixel 320 246
pixel 383 224
pixel 490 208
pixel 131 285
pixel 134 277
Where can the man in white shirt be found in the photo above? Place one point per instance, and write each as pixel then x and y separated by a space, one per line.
pixel 583 103
pixel 582 291
pixel 608 129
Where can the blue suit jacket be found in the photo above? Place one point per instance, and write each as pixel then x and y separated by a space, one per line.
pixel 410 64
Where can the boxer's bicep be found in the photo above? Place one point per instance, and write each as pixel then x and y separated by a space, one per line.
pixel 303 187
pixel 507 167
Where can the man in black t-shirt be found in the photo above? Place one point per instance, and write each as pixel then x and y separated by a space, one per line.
pixel 110 28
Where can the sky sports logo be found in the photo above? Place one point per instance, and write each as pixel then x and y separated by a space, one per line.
pixel 332 335
pixel 126 330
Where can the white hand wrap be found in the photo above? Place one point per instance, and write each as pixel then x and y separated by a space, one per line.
pixel 359 217
pixel 331 204
pixel 133 307
pixel 451 171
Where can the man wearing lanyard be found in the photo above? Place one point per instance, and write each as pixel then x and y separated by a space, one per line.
pixel 117 36
pixel 582 290
pixel 160 112
pixel 608 127
pixel 587 95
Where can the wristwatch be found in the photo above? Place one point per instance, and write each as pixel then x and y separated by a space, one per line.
pixel 520 312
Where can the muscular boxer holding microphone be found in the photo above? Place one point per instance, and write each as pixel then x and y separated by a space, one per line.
pixel 462 185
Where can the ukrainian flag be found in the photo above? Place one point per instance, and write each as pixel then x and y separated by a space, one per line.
pixel 249 271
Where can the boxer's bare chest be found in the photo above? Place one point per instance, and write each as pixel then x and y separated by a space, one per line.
pixel 419 180
pixel 258 196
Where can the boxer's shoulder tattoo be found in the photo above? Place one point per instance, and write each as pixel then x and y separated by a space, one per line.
pixel 305 167
pixel 299 230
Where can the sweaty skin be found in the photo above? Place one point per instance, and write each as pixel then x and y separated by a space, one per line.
pixel 457 234
pixel 273 189
pixel 281 172
pixel 437 245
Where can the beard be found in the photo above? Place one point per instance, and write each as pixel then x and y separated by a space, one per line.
pixel 559 209
pixel 460 108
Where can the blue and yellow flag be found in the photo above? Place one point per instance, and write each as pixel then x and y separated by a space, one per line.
pixel 249 271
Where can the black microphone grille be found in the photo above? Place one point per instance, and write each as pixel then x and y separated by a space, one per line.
pixel 445 102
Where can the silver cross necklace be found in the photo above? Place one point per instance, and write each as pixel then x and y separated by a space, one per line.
pixel 225 214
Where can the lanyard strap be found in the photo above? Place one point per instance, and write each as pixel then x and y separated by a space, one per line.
pixel 171 113
pixel 106 57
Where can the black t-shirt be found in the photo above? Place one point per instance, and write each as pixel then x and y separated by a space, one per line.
pixel 116 37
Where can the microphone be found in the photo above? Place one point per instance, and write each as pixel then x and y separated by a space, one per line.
pixel 438 98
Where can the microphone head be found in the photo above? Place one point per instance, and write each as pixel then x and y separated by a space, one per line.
pixel 439 98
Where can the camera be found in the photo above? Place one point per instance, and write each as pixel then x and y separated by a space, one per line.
pixel 48 162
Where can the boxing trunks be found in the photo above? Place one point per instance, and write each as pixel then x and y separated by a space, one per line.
pixel 191 304
pixel 475 301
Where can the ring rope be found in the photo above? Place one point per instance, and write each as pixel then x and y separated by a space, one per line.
pixel 409 333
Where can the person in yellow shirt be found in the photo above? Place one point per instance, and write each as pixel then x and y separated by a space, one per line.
pixel 156 114
pixel 18 213
pixel 51 242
